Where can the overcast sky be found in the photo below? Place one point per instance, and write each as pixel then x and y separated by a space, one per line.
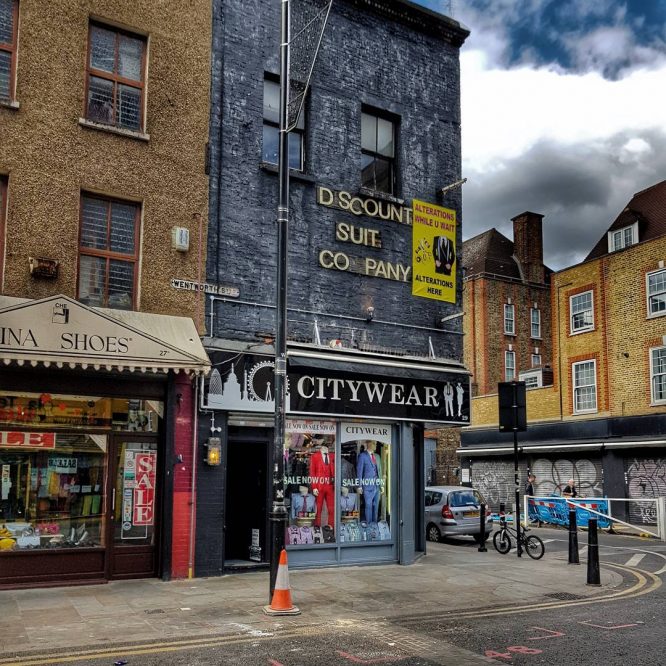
pixel 563 111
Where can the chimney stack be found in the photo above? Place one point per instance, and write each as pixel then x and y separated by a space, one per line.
pixel 528 245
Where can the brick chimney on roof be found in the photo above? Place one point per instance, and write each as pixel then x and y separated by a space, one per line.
pixel 528 245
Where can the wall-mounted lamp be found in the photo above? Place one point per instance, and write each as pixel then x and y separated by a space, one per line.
pixel 213 451
pixel 370 314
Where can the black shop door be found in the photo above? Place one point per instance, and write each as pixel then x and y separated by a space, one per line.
pixel 246 502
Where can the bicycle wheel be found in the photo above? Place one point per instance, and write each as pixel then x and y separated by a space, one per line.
pixel 502 542
pixel 534 547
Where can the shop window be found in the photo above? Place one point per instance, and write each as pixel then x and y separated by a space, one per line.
pixel 658 374
pixel 656 288
pixel 115 77
pixel 509 319
pixel 535 318
pixel 108 253
pixel 378 153
pixel 8 45
pixel 582 312
pixel 509 366
pixel 51 490
pixel 337 489
pixel 584 386
pixel 272 129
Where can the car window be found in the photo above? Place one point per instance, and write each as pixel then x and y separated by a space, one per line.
pixel 464 498
pixel 428 498
pixel 436 498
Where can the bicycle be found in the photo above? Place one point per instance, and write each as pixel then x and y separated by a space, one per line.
pixel 531 544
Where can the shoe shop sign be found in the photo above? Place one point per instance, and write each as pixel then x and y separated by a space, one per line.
pixel 245 383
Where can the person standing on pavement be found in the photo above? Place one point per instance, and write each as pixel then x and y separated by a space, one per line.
pixel 570 489
pixel 532 512
pixel 529 486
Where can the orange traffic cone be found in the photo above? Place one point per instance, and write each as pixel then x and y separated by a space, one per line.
pixel 281 603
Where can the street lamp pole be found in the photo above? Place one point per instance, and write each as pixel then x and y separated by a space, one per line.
pixel 278 512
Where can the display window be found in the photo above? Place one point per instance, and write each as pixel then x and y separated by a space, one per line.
pixel 79 412
pixel 341 471
pixel 52 490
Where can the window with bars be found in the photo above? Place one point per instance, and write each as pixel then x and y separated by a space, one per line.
pixel 509 366
pixel 584 376
pixel 658 374
pixel 535 318
pixel 510 319
pixel 656 293
pixel 108 253
pixel 8 43
pixel 582 313
pixel 272 129
pixel 378 172
pixel 115 77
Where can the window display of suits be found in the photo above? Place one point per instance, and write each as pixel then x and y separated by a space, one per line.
pixel 347 503
pixel 368 472
pixel 301 504
pixel 322 476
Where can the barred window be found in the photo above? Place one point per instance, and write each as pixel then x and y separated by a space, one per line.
pixel 585 386
pixel 108 253
pixel 8 43
pixel 115 77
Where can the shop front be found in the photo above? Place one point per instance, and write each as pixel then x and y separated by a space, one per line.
pixel 353 455
pixel 90 421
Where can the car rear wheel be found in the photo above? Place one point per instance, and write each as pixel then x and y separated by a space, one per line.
pixel 433 533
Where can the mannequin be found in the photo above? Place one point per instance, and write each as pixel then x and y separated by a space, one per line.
pixel 303 503
pixel 369 476
pixel 347 501
pixel 322 474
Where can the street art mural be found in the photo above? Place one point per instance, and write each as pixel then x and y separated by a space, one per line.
pixel 553 475
pixel 646 479
pixel 494 480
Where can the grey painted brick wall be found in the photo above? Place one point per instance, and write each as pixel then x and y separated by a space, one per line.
pixel 366 58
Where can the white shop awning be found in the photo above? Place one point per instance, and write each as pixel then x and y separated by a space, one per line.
pixel 60 332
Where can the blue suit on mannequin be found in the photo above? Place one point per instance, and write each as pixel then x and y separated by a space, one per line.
pixel 367 470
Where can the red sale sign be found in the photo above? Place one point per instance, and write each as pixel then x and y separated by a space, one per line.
pixel 28 440
pixel 144 488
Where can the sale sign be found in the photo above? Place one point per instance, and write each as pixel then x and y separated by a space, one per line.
pixel 144 488
pixel 27 440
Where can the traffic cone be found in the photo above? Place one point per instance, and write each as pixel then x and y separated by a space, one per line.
pixel 281 603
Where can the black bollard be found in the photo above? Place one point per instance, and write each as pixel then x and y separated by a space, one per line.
pixel 593 572
pixel 482 529
pixel 573 538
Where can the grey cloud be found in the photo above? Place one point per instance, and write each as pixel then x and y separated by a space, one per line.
pixel 579 189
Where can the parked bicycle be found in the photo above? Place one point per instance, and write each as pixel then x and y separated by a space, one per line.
pixel 531 544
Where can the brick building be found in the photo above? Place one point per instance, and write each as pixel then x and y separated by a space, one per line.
pixel 103 212
pixel 381 128
pixel 603 422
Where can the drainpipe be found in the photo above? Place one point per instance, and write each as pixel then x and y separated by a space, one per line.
pixel 193 503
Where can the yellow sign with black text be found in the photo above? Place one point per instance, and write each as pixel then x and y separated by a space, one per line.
pixel 433 252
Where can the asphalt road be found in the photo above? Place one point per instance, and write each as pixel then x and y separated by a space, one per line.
pixel 627 631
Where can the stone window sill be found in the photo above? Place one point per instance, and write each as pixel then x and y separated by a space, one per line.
pixel 130 134
pixel 10 104
pixel 293 174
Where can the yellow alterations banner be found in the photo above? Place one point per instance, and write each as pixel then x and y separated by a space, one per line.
pixel 433 252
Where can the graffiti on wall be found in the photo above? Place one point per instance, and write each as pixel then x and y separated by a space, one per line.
pixel 646 478
pixel 553 475
pixel 494 480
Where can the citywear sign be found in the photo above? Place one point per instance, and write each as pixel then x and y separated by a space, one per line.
pixel 350 387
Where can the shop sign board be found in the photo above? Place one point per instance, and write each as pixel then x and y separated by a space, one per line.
pixel 27 440
pixel 433 252
pixel 63 465
pixel 245 383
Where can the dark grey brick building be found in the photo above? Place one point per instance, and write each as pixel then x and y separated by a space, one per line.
pixel 381 128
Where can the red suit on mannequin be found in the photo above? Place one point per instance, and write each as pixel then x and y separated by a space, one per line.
pixel 322 473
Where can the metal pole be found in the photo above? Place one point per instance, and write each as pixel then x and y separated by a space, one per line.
pixel 516 479
pixel 573 538
pixel 278 513
pixel 593 572
pixel 482 529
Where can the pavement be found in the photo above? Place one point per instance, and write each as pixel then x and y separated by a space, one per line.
pixel 371 600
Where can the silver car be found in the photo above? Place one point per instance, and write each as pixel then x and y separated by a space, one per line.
pixel 454 511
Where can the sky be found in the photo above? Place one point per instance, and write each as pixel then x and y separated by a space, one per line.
pixel 563 114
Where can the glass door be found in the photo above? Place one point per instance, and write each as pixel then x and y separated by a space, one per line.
pixel 134 507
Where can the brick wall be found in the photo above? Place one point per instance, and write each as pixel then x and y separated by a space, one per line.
pixel 543 404
pixel 415 66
